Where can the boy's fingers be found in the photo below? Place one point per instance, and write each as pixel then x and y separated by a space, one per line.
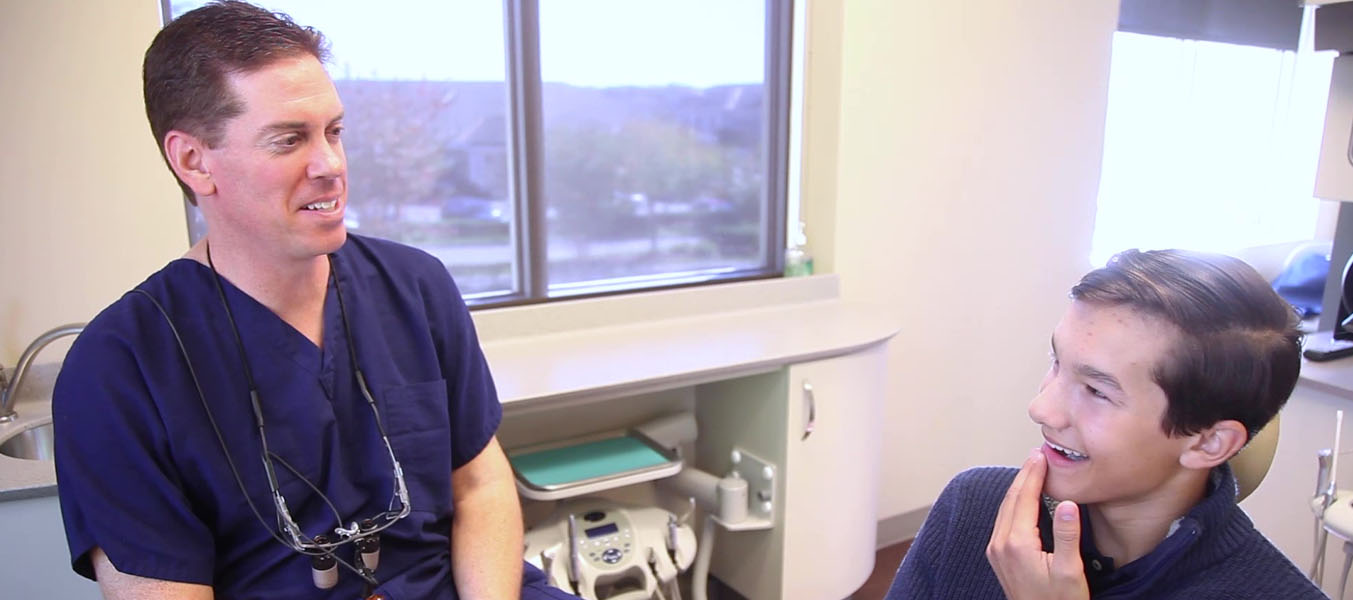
pixel 1066 542
pixel 1030 498
pixel 1004 516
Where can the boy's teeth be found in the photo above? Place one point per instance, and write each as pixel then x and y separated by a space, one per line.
pixel 1071 454
pixel 321 205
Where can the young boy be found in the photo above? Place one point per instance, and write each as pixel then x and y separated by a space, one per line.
pixel 1163 366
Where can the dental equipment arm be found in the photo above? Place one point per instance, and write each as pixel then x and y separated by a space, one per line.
pixel 1326 490
pixel 725 498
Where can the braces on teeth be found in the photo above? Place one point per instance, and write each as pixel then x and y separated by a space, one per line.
pixel 1072 454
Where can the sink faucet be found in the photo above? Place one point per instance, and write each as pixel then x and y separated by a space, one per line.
pixel 10 389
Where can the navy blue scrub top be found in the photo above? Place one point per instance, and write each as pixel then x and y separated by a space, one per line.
pixel 143 476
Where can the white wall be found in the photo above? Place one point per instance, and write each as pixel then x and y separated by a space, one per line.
pixel 87 209
pixel 968 153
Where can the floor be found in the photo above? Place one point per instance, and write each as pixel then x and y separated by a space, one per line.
pixel 885 566
pixel 874 588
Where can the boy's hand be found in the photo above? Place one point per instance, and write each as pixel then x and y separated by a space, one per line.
pixel 1016 551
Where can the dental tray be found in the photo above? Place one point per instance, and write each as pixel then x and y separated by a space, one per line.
pixel 574 469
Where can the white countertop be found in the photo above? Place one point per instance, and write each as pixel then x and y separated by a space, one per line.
pixel 611 347
pixel 1332 376
pixel 21 478
pixel 1335 376
pixel 651 355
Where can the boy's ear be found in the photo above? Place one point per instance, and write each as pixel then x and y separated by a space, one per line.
pixel 186 156
pixel 1214 445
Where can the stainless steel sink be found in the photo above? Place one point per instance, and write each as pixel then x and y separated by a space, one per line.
pixel 33 442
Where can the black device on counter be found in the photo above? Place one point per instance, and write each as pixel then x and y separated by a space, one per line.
pixel 1343 324
pixel 1321 346
pixel 1329 345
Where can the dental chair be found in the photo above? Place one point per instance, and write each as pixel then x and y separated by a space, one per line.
pixel 1251 464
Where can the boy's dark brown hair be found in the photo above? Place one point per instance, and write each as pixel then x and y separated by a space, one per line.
pixel 1239 350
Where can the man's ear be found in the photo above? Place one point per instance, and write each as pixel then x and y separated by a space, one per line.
pixel 186 155
pixel 1214 445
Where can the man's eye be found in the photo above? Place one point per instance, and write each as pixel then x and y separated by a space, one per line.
pixel 1095 392
pixel 288 141
pixel 336 131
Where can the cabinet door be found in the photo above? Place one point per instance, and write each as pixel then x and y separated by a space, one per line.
pixel 831 483
pixel 33 558
pixel 1334 179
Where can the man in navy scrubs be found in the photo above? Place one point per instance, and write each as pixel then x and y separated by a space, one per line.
pixel 288 410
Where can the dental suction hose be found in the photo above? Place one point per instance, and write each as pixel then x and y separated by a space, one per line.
pixel 700 572
pixel 726 498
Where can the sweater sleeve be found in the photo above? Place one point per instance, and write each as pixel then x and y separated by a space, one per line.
pixel 948 557
pixel 915 576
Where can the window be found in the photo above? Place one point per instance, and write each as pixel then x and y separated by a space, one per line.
pixel 557 148
pixel 1209 145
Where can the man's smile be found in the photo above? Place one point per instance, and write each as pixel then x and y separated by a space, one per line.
pixel 325 205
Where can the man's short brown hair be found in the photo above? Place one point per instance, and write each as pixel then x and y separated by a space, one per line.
pixel 185 75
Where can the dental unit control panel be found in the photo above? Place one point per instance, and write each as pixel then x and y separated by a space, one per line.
pixel 604 550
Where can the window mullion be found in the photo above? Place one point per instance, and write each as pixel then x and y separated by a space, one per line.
pixel 776 112
pixel 526 131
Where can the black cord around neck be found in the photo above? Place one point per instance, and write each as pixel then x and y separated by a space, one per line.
pixel 230 316
pixel 362 572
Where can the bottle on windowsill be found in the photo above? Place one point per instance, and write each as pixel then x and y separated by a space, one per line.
pixel 798 262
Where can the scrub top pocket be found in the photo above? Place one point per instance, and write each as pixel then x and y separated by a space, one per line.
pixel 417 419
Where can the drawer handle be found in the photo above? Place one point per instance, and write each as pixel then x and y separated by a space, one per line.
pixel 1350 148
pixel 812 409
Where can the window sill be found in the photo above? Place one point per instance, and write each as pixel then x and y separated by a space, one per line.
pixel 617 346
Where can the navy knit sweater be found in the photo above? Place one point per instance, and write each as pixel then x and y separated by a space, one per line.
pixel 1214 553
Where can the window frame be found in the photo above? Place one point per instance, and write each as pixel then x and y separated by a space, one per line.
pixel 1122 162
pixel 528 233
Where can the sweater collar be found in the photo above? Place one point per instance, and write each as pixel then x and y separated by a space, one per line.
pixel 1215 519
